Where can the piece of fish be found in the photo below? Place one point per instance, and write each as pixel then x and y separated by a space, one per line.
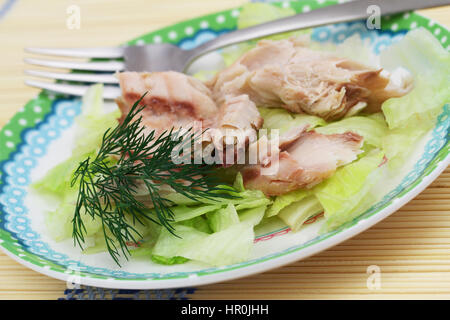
pixel 234 128
pixel 286 73
pixel 176 100
pixel 302 160
pixel 173 99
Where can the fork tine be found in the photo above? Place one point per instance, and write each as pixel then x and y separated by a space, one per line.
pixel 113 52
pixel 81 77
pixel 109 92
pixel 91 66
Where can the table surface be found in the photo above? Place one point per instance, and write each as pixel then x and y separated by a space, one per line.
pixel 411 247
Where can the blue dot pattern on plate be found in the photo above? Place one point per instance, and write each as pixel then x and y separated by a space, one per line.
pixel 377 40
pixel 36 141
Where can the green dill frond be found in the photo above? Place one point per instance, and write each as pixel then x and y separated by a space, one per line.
pixel 127 160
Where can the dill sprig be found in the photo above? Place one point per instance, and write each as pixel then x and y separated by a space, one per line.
pixel 128 159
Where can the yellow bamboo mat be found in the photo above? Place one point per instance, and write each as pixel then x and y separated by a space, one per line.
pixel 411 248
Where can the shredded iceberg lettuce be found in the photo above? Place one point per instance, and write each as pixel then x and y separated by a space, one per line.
pixel 216 234
pixel 199 222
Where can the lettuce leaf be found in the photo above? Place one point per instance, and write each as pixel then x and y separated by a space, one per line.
pixel 353 48
pixel 185 208
pixel 93 122
pixel 59 222
pixel 413 115
pixel 283 120
pixel 231 245
pixel 200 223
pixel 423 55
pixel 345 191
pixel 141 252
pixel 371 129
pixel 223 218
pixel 182 213
pixel 298 212
pixel 252 216
pixel 285 200
pixel 142 230
pixel 398 144
pixel 168 245
pixel 253 204
pixel 238 184
pixel 58 179
pixel 233 53
pixel 168 261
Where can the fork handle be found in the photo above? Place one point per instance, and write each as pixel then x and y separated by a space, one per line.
pixel 349 11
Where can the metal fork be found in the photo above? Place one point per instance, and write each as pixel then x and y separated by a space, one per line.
pixel 163 57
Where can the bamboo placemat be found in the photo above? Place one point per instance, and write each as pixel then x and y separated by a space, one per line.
pixel 411 248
